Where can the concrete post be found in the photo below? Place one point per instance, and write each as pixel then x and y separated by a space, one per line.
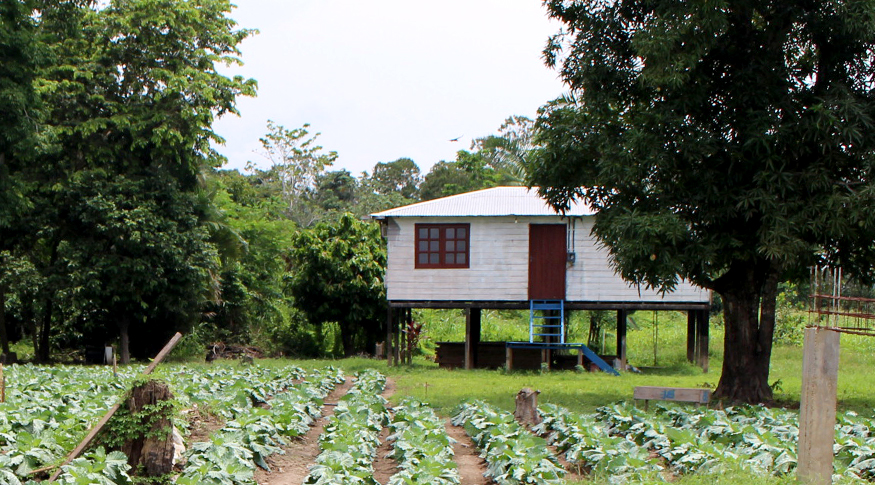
pixel 817 415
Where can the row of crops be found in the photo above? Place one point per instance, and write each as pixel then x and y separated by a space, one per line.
pixel 622 443
pixel 349 441
pixel 49 409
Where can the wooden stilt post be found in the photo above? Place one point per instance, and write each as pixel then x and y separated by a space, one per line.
pixel 817 414
pixel 621 338
pixel 508 358
pixel 389 349
pixel 691 336
pixel 408 323
pixel 472 336
pixel 702 339
pixel 396 331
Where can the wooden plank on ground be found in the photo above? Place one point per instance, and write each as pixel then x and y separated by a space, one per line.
pixel 677 394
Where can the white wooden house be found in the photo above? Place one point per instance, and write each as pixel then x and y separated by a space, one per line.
pixel 504 247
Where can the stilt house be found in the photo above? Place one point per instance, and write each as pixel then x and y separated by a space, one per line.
pixel 506 248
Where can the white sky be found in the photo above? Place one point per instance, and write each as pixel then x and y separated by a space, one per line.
pixel 385 79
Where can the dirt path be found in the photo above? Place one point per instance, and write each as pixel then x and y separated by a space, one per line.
pixel 471 466
pixel 293 467
pixel 572 472
pixel 384 466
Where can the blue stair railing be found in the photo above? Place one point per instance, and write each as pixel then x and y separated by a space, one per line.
pixel 547 319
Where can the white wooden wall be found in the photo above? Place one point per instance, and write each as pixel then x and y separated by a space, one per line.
pixel 499 266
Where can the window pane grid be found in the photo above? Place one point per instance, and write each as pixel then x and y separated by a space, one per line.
pixel 442 246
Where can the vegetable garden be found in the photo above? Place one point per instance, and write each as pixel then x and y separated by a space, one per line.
pixel 263 412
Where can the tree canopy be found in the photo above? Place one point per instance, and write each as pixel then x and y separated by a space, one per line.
pixel 127 92
pixel 729 144
pixel 338 278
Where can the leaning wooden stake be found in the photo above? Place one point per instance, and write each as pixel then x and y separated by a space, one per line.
pixel 106 417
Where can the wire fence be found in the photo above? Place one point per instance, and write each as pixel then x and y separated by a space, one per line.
pixel 840 303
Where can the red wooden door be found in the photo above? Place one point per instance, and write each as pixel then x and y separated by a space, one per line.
pixel 547 256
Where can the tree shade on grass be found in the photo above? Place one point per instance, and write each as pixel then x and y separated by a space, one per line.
pixel 725 144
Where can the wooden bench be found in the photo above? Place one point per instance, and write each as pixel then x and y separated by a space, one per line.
pixel 676 394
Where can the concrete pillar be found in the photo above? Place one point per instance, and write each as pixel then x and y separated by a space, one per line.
pixel 817 415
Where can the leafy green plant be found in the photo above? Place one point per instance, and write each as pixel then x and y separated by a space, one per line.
pixel 513 455
pixel 422 448
pixel 350 439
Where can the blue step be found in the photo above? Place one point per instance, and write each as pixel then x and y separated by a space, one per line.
pixel 598 361
pixel 547 306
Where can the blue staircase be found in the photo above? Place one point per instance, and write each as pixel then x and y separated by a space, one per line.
pixel 547 319
pixel 598 361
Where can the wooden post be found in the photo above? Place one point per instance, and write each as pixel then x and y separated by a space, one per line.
pixel 396 332
pixel 817 414
pixel 621 338
pixel 702 339
pixel 508 358
pixel 472 336
pixel 408 322
pixel 389 337
pixel 2 385
pixel 106 417
pixel 691 336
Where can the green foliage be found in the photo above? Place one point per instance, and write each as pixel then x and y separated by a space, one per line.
pixel 470 171
pixel 513 455
pixel 422 448
pixel 338 277
pixel 622 443
pixel 97 468
pixel 252 433
pixel 126 426
pixel 790 321
pixel 350 439
pixel 509 150
pixel 127 95
pixel 401 177
pixel 725 146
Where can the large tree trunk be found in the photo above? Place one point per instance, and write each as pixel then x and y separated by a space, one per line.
pixel 4 339
pixel 43 353
pixel 347 339
pixel 749 301
pixel 124 340
pixel 27 315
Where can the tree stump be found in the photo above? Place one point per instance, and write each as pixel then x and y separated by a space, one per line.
pixel 151 448
pixel 526 412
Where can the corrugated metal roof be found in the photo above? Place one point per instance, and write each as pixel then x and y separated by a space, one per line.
pixel 497 201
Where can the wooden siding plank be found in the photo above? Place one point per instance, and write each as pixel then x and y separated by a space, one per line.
pixel 499 266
